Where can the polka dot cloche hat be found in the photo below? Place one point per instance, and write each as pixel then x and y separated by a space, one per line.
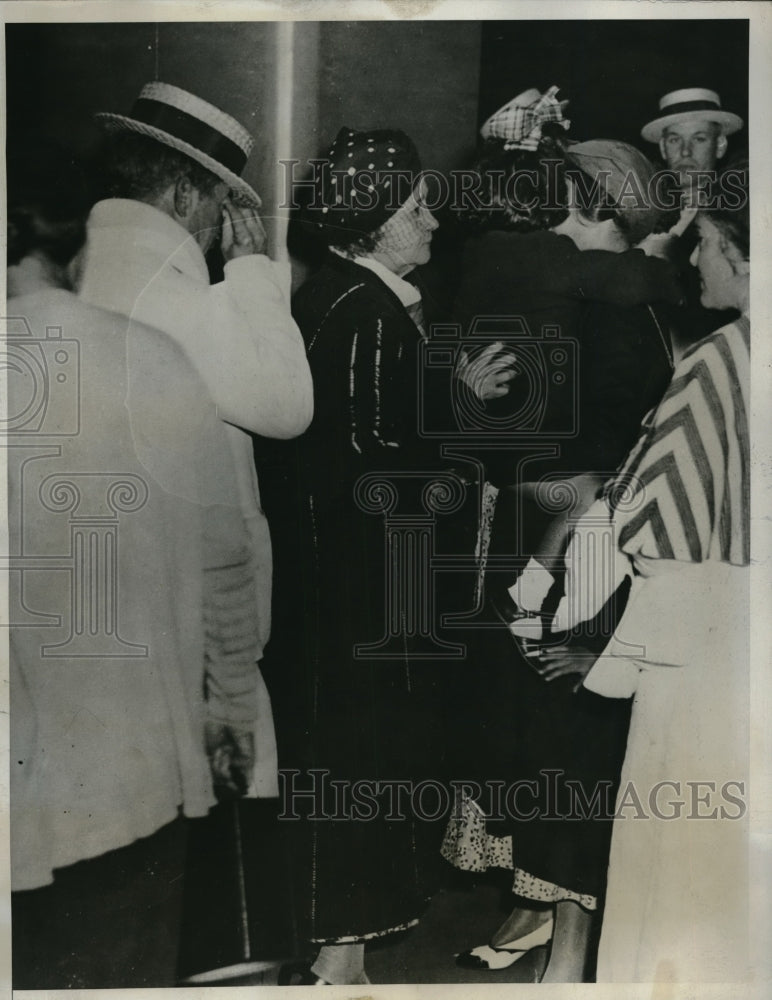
pixel 365 177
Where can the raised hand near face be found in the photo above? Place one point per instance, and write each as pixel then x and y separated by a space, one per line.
pixel 242 231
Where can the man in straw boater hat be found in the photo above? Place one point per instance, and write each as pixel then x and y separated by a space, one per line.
pixel 171 172
pixel 691 130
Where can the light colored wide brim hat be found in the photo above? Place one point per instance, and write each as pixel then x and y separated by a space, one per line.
pixel 623 172
pixel 692 104
pixel 194 127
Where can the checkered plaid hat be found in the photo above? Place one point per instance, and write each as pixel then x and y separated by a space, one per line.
pixel 365 179
pixel 520 122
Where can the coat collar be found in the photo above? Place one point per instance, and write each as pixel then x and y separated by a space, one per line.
pixel 140 225
pixel 407 294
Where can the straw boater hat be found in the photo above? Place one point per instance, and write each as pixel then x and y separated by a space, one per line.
pixel 692 104
pixel 193 127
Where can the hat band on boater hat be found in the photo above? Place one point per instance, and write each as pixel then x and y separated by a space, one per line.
pixel 191 130
pixel 691 103
pixel 677 109
pixel 192 126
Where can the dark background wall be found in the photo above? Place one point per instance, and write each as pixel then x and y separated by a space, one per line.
pixel 421 77
pixel 60 74
pixel 436 80
pixel 614 72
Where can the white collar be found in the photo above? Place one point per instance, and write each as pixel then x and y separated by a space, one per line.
pixel 407 294
pixel 152 228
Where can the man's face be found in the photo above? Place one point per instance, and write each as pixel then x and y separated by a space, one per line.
pixel 205 221
pixel 690 146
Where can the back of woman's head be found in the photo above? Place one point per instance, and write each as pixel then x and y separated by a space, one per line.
pixel 732 216
pixel 612 180
pixel 518 189
pixel 48 200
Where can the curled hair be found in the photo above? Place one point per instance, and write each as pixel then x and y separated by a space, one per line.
pixel 364 244
pixel 141 168
pixel 734 223
pixel 48 200
pixel 520 190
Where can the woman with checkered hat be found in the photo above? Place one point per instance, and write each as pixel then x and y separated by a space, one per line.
pixel 553 259
pixel 357 713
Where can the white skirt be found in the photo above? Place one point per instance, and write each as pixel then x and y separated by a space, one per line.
pixel 677 900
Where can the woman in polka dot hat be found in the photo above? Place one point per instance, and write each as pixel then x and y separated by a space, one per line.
pixel 359 717
pixel 368 177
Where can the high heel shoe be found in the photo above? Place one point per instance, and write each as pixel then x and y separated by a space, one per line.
pixel 487 956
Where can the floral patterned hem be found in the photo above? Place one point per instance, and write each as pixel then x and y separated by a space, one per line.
pixel 468 845
pixel 531 887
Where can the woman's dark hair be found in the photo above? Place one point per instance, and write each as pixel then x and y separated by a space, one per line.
pixel 732 217
pixel 363 245
pixel 307 241
pixel 48 200
pixel 519 189
pixel 135 166
pixel 309 244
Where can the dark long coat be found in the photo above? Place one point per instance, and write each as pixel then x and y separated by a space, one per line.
pixel 524 726
pixel 348 712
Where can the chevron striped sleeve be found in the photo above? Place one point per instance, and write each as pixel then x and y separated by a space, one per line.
pixel 688 479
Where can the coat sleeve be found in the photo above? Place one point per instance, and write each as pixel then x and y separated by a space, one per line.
pixel 382 357
pixel 257 369
pixel 230 626
pixel 623 279
pixel 617 359
pixel 364 358
pixel 231 637
pixel 201 474
pixel 377 393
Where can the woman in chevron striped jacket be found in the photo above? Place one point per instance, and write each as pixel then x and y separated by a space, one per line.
pixel 677 891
